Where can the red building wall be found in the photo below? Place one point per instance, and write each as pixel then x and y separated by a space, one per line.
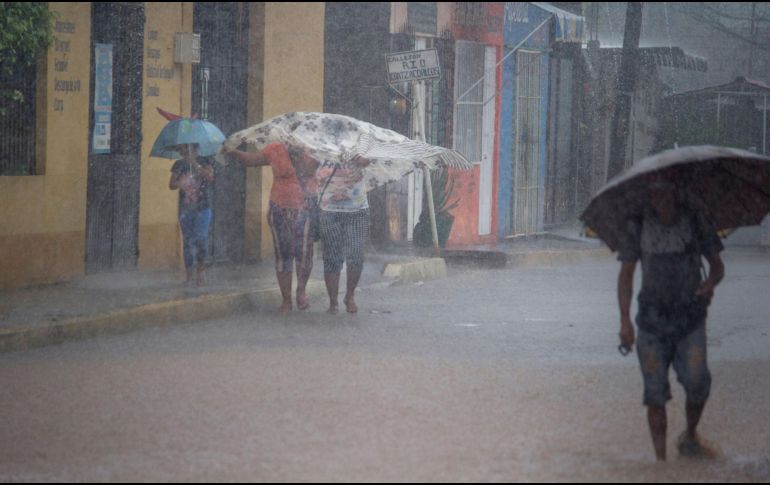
pixel 465 231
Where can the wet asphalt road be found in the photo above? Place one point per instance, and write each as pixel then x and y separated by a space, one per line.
pixel 507 375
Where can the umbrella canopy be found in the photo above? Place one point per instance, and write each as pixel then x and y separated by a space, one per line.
pixel 186 131
pixel 332 138
pixel 730 187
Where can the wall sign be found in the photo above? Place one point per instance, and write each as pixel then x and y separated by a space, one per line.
pixel 102 99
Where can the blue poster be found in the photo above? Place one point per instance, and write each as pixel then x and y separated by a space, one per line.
pixel 102 98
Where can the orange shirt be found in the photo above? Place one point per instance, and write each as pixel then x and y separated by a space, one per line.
pixel 286 191
pixel 307 169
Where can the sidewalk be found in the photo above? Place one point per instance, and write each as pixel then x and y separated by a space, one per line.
pixel 120 302
pixel 114 303
pixel 552 248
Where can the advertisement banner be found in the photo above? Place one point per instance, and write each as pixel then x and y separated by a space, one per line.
pixel 102 99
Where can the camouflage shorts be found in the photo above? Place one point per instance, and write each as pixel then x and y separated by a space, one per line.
pixel 688 356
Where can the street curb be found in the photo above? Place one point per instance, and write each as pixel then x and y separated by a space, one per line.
pixel 501 260
pixel 414 271
pixel 213 306
pixel 477 259
pixel 555 258
pixel 153 315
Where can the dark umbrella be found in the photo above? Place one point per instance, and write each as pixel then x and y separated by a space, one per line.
pixel 730 187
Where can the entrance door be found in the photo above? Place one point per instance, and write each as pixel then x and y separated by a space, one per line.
pixel 112 209
pixel 220 96
pixel 487 142
pixel 527 185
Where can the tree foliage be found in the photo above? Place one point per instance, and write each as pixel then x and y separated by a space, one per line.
pixel 443 185
pixel 25 32
pixel 748 22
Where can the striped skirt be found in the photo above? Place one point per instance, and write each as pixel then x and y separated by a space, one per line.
pixel 343 235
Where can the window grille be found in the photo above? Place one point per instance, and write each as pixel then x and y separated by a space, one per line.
pixel 469 68
pixel 17 123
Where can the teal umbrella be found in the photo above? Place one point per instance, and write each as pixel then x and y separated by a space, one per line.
pixel 186 131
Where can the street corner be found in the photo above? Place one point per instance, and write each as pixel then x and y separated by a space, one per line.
pixel 555 258
pixel 476 259
pixel 413 271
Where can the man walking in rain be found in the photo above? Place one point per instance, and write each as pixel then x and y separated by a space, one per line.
pixel 670 240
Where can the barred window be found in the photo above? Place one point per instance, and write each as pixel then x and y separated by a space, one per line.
pixel 18 122
pixel 469 14
pixel 469 99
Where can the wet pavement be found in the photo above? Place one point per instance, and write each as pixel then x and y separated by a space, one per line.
pixel 508 375
pixel 104 292
pixel 123 301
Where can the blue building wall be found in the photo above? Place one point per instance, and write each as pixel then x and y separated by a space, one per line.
pixel 520 20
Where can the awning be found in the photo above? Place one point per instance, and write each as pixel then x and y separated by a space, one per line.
pixel 673 57
pixel 568 27
pixel 740 86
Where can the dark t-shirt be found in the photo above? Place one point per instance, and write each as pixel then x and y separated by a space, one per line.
pixel 194 190
pixel 671 270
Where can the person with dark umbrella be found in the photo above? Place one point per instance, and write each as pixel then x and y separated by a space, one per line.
pixel 670 240
pixel 665 211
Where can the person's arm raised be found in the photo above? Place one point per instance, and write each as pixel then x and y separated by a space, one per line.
pixel 248 159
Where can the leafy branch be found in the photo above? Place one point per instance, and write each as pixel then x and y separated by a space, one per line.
pixel 26 30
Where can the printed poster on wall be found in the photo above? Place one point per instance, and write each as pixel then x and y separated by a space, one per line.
pixel 102 99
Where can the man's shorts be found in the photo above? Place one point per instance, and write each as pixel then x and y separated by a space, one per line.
pixel 688 356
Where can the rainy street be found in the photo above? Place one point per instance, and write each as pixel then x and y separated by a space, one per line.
pixel 503 375
pixel 182 184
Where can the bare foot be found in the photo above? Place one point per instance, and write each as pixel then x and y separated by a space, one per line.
pixel 350 305
pixel 333 310
pixel 285 307
pixel 696 448
pixel 302 302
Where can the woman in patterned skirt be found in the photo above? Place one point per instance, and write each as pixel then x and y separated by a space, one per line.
pixel 294 186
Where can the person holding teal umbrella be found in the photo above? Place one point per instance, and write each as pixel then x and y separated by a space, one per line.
pixel 191 141
pixel 184 131
pixel 193 176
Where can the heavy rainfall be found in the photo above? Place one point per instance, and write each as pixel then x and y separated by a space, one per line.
pixel 384 242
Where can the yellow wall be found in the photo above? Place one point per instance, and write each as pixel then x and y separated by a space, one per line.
pixel 294 57
pixel 42 217
pixel 253 209
pixel 159 236
pixel 293 74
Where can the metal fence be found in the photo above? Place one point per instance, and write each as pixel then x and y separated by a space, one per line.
pixel 469 68
pixel 526 173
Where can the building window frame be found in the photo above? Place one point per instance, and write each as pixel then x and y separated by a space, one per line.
pixel 20 153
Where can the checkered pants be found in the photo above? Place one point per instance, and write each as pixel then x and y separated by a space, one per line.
pixel 343 235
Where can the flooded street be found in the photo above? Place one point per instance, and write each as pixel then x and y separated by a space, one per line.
pixel 509 375
pixel 505 196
